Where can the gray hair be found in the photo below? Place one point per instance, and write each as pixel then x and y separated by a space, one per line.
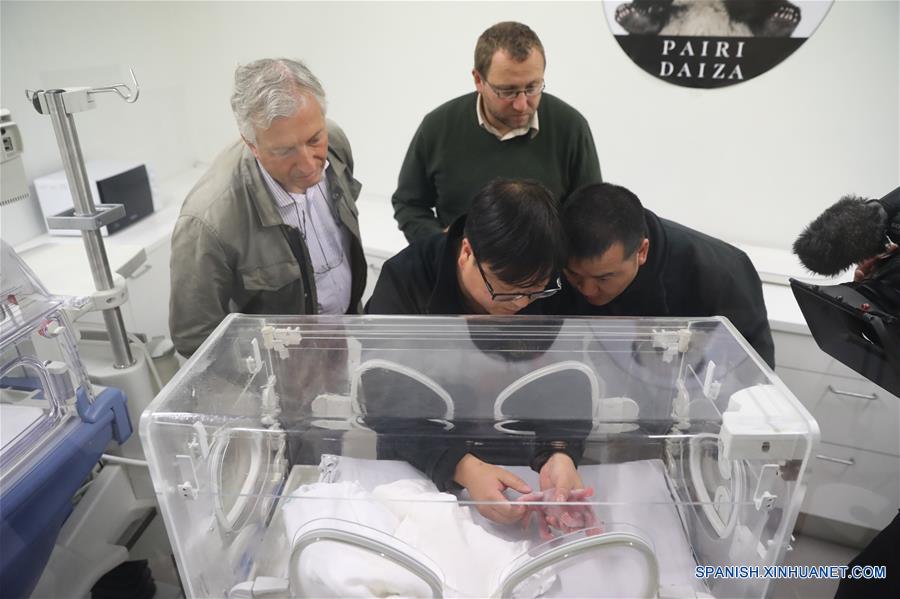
pixel 270 88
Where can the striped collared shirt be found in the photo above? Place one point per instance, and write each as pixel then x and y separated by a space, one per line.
pixel 327 240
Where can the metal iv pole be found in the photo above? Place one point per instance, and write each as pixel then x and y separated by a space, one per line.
pixel 61 104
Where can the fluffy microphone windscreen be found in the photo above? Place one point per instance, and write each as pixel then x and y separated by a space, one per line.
pixel 848 232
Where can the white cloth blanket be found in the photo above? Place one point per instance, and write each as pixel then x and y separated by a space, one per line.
pixel 631 497
pixel 415 513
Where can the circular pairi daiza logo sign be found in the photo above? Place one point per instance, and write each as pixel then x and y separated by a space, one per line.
pixel 712 43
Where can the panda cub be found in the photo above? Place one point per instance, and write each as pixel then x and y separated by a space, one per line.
pixel 715 18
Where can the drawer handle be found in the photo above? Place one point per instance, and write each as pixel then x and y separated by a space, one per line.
pixel 847 462
pixel 871 397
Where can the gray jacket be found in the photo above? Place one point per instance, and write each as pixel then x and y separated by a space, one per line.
pixel 231 251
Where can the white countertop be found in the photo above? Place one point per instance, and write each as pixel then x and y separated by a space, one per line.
pixel 61 263
pixel 775 267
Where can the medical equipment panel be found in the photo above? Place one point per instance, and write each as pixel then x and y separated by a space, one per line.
pixel 307 456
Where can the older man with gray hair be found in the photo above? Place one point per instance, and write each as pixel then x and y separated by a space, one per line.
pixel 272 227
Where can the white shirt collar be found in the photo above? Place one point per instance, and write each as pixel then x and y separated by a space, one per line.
pixel 531 128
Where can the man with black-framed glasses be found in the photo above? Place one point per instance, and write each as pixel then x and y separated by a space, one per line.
pixel 508 127
pixel 501 258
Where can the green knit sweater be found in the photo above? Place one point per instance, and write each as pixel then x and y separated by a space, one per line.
pixel 451 157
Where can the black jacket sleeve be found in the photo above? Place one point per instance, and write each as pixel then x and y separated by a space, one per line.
pixel 423 444
pixel 392 294
pixel 741 301
pixel 574 448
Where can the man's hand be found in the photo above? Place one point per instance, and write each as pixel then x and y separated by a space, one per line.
pixel 561 483
pixel 562 514
pixel 486 482
pixel 559 473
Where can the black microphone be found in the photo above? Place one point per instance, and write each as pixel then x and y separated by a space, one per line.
pixel 850 231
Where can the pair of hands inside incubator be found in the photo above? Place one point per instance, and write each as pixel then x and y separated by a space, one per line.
pixel 558 505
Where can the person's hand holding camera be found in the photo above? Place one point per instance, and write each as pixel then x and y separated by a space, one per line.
pixel 865 268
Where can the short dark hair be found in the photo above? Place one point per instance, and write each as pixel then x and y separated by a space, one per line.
pixel 516 38
pixel 599 215
pixel 513 226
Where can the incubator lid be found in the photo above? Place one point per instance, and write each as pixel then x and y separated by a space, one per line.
pixel 615 374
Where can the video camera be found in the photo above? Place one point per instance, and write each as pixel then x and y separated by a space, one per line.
pixel 857 323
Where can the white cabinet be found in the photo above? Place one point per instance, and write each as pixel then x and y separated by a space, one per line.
pixel 148 293
pixel 855 471
pixel 853 486
pixel 851 412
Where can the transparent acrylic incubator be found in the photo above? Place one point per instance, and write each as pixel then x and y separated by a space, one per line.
pixel 316 456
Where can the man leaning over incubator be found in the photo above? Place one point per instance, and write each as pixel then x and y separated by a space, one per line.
pixel 271 228
pixel 626 261
pixel 502 258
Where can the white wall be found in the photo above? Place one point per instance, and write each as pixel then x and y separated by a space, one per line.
pixel 752 163
pixel 60 44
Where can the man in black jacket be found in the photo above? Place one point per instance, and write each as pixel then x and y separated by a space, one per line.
pixel 499 260
pixel 626 261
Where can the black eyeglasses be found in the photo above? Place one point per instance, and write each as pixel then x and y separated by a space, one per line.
pixel 511 297
pixel 511 94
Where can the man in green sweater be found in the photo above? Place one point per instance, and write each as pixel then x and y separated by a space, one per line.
pixel 507 128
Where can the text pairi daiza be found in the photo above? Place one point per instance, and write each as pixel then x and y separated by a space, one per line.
pixel 717 49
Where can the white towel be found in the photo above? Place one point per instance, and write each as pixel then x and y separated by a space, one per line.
pixel 469 558
pixel 333 569
pixel 631 497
